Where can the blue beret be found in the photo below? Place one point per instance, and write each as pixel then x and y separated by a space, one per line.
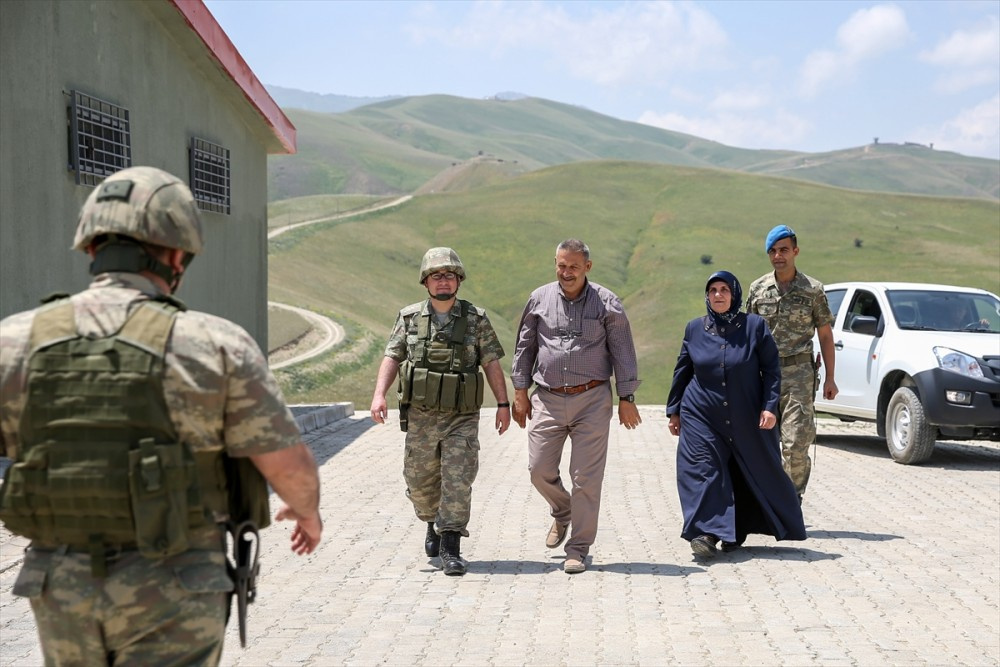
pixel 776 234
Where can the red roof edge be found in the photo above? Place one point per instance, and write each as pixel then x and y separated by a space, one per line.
pixel 197 16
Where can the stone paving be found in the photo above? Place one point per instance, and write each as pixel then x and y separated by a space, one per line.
pixel 902 567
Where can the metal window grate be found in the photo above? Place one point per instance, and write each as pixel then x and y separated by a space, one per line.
pixel 100 138
pixel 210 182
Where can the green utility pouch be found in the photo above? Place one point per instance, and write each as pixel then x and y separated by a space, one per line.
pixel 404 384
pixel 23 505
pixel 158 481
pixel 471 392
pixel 450 386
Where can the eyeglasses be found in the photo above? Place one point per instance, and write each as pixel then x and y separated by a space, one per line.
pixel 443 276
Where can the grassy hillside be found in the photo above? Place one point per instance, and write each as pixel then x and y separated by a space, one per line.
pixel 648 227
pixel 395 146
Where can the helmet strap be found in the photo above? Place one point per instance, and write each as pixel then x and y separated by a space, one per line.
pixel 123 254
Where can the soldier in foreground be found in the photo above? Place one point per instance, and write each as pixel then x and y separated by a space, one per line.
pixel 139 430
pixel 436 348
pixel 794 306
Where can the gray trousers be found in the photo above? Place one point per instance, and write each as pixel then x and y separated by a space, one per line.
pixel 586 419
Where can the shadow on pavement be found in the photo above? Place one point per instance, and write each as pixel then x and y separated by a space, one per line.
pixel 947 453
pixel 851 535
pixel 520 567
pixel 330 445
pixel 653 569
pixel 774 553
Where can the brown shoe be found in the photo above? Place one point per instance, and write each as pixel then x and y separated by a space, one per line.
pixel 574 565
pixel 557 533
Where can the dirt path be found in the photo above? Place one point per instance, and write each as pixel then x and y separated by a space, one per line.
pixel 378 207
pixel 324 335
pixel 325 332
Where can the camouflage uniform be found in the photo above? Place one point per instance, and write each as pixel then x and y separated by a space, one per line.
pixel 442 449
pixel 220 395
pixel 793 317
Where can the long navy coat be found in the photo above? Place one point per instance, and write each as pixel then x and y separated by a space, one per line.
pixel 729 474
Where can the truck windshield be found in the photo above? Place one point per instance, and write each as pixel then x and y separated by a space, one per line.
pixel 945 311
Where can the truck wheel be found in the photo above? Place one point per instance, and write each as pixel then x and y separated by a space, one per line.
pixel 909 437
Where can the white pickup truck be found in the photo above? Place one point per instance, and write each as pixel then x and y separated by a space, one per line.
pixel 919 360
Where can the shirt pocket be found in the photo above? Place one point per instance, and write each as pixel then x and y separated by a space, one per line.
pixel 593 330
pixel 767 307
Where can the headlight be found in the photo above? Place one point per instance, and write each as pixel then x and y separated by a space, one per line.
pixel 958 362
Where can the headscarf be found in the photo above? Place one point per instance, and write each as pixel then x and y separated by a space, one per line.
pixel 734 305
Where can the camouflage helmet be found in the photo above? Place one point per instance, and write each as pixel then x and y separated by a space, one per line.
pixel 143 203
pixel 441 259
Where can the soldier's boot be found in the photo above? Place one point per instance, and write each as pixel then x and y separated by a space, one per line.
pixel 451 560
pixel 432 543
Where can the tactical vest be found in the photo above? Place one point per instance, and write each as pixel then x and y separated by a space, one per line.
pixel 100 463
pixel 435 376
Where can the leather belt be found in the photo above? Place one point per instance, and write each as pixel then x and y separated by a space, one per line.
pixel 578 389
pixel 796 359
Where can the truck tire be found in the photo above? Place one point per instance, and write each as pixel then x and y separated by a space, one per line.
pixel 909 437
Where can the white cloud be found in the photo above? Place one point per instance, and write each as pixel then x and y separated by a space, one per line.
pixel 971 57
pixel 974 131
pixel 632 42
pixel 870 32
pixel 780 130
pixel 968 48
pixel 867 34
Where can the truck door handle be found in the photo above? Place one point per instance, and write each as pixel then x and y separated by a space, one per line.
pixel 839 345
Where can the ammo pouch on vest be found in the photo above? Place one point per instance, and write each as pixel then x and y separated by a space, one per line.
pixel 435 377
pixel 100 463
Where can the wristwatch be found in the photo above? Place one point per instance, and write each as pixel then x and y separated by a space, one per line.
pixel 630 398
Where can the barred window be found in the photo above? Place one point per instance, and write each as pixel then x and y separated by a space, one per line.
pixel 100 138
pixel 210 181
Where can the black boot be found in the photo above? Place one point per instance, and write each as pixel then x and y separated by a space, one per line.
pixel 451 561
pixel 432 543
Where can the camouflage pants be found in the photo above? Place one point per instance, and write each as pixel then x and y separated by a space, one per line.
pixel 440 465
pixel 145 612
pixel 798 421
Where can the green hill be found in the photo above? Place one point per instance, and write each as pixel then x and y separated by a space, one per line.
pixel 649 227
pixel 398 145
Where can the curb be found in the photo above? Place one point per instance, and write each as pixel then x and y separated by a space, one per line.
pixel 311 417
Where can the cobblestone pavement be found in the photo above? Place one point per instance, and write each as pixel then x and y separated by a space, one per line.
pixel 901 568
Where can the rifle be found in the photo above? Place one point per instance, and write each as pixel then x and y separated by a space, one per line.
pixel 244 569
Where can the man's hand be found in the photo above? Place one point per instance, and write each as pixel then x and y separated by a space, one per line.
pixel 830 390
pixel 767 420
pixel 522 407
pixel 503 420
pixel 628 414
pixel 307 532
pixel 379 409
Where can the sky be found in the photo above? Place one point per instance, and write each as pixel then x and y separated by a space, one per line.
pixel 798 75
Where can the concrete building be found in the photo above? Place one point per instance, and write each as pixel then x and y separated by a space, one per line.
pixel 88 88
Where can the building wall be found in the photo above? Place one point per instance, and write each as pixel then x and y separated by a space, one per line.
pixel 141 56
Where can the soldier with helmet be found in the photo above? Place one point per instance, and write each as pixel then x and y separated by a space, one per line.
pixel 139 431
pixel 436 349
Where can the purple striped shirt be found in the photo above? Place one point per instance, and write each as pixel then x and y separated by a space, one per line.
pixel 563 343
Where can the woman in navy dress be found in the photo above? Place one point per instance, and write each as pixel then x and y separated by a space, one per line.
pixel 722 404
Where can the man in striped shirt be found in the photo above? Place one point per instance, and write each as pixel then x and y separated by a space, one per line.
pixel 573 336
